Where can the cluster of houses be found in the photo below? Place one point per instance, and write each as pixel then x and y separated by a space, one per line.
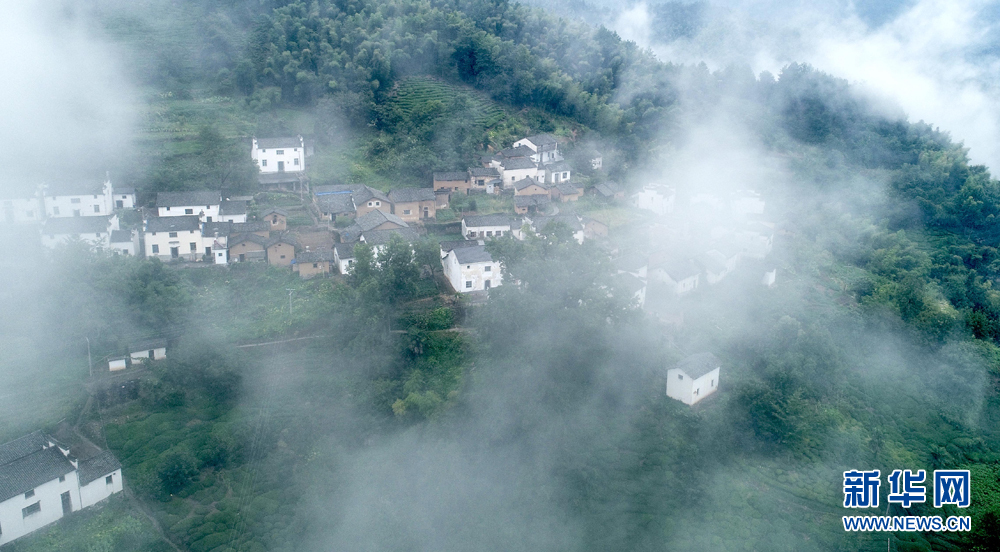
pixel 43 480
pixel 705 244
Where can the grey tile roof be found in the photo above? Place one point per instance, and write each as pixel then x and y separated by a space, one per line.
pixel 497 219
pixel 484 172
pixel 223 228
pixel 335 204
pixel 531 200
pixel 699 364
pixel 629 283
pixel 75 225
pixel 366 193
pixel 518 163
pixel 448 245
pixel 375 218
pixel 251 226
pixel 274 211
pixel 188 199
pixel 22 446
pixel 280 142
pixel 284 238
pixel 519 151
pixel 26 473
pixel 233 207
pixel 345 250
pixel 320 256
pixel 123 190
pixel 543 140
pixel 98 466
pixel 565 188
pixel 525 182
pixel 402 195
pixel 558 166
pixel 121 236
pixel 237 239
pixel 679 269
pixel 476 254
pixel 173 224
pixel 452 176
pixel 380 237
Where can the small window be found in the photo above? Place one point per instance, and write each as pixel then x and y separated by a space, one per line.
pixel 75 200
pixel 29 494
pixel 696 392
pixel 263 162
pixel 172 234
pixel 31 510
pixel 315 265
pixel 168 208
pixel 282 256
pixel 55 210
pixel 489 233
pixel 124 197
pixel 468 284
pixel 296 162
pixel 62 478
pixel 378 203
pixel 565 175
pixel 97 208
pixel 281 152
pixel 369 203
pixel 156 248
pixel 194 247
pixel 406 211
pixel 680 376
pixel 713 383
pixel 188 211
pixel 110 480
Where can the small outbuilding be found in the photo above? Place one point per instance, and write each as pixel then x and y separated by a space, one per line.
pixel 694 378
pixel 152 350
pixel 116 364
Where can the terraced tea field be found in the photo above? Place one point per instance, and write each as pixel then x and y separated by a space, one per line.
pixel 416 91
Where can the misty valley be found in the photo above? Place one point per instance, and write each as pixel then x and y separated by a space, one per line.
pixel 481 275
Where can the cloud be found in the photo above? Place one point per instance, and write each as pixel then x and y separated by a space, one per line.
pixel 934 58
pixel 66 105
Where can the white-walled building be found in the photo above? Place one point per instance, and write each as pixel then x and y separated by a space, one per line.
pixel 343 256
pixel 19 209
pixel 124 242
pixel 171 237
pixel 490 226
pixel 77 199
pixel 544 146
pixel 681 277
pixel 233 211
pixel 656 198
pixel 40 482
pixel 275 155
pixel 471 269
pixel 519 168
pixel 96 231
pixel 205 205
pixel 555 173
pixel 149 350
pixel 694 378
pixel 123 198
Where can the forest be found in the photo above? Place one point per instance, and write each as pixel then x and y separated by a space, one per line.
pixel 409 419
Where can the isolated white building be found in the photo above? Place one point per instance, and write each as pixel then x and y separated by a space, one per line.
pixel 170 238
pixel 490 226
pixel 694 378
pixel 656 198
pixel 205 205
pixel 276 155
pixel 150 350
pixel 117 364
pixel 40 482
pixel 471 269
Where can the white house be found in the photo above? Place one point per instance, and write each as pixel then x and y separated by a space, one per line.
pixel 557 172
pixel 544 146
pixel 124 242
pixel 520 168
pixel 40 482
pixel 151 350
pixel 756 240
pixel 123 198
pixel 274 155
pixel 179 204
pixel 116 364
pixel 96 231
pixel 681 277
pixel 656 198
pixel 343 255
pixel 694 378
pixel 471 269
pixel 173 238
pixel 77 199
pixel 489 226
pixel 24 208
pixel 233 211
